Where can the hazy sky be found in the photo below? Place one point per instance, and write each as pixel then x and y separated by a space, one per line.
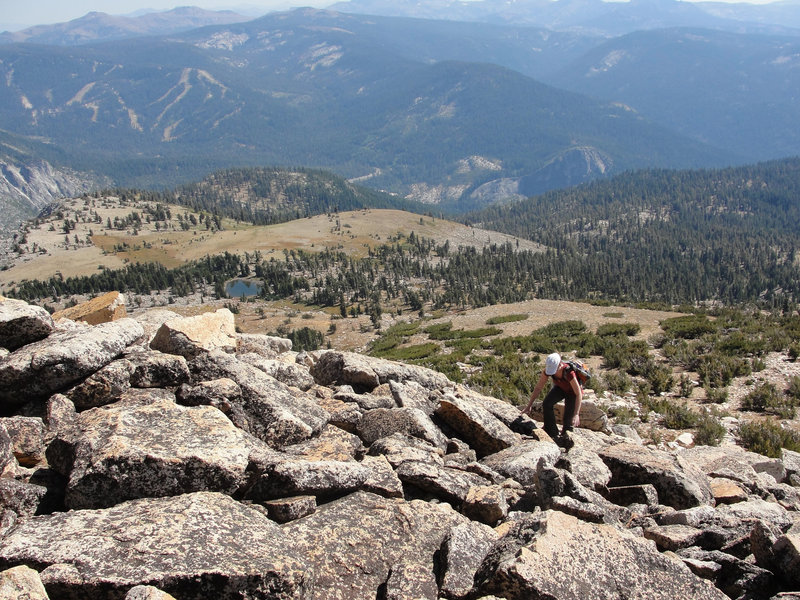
pixel 18 14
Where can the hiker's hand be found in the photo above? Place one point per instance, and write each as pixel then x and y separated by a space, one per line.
pixel 576 421
pixel 526 410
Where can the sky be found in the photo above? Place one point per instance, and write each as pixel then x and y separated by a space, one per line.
pixel 18 14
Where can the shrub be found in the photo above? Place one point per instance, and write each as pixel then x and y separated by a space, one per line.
pixel 438 329
pixel 767 438
pixel 710 431
pixel 622 415
pixel 685 386
pixel 412 352
pixel 688 327
pixel 794 389
pixel 741 344
pixel 716 395
pixel 629 356
pixel 393 337
pixel 794 351
pixel 765 397
pixel 658 376
pixel 719 370
pixel 618 382
pixel 505 319
pixel 597 384
pixel 678 415
pixel 510 377
pixel 614 329
pixel 677 352
pixel 436 333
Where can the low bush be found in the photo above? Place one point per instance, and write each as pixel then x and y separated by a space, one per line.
pixel 618 382
pixel 718 370
pixel 510 377
pixel 658 376
pixel 505 319
pixel 614 329
pixel 411 353
pixel 765 397
pixel 677 352
pixel 710 430
pixel 448 333
pixel 794 388
pixel 622 415
pixel 741 344
pixel 678 415
pixel 767 438
pixel 685 386
pixel 688 327
pixel 716 395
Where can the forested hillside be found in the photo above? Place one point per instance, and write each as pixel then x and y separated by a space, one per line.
pixel 675 236
pixel 661 236
pixel 264 196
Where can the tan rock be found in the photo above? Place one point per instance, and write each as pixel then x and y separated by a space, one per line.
pixel 554 555
pixel 105 308
pixel 284 510
pixel 487 504
pixel 592 416
pixel 726 491
pixel 190 336
pixel 147 592
pixel 22 323
pixel 22 582
pixel 202 545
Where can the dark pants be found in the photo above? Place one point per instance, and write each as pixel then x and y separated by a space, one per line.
pixel 553 397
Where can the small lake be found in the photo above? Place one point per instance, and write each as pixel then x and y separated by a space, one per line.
pixel 236 288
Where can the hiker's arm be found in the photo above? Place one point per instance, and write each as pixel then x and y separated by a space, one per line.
pixel 576 387
pixel 535 394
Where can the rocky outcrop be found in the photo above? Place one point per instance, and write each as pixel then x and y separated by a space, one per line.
pixel 163 449
pixel 21 582
pixel 358 543
pixel 269 409
pixel 364 373
pixel 240 469
pixel 190 336
pixel 193 546
pixel 679 483
pixel 39 369
pixel 105 308
pixel 22 323
pixel 553 555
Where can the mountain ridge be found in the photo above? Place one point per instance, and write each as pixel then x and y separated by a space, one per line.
pixel 98 26
pixel 297 89
pixel 595 17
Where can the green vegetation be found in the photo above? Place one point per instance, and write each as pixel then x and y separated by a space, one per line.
pixel 765 397
pixel 710 431
pixel 140 279
pixel 506 319
pixel 667 236
pixel 768 437
pixel 306 338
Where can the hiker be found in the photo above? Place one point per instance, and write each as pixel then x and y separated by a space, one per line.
pixel 565 386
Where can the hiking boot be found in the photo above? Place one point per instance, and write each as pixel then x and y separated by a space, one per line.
pixel 565 442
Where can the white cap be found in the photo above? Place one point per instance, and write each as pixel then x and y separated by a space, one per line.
pixel 552 363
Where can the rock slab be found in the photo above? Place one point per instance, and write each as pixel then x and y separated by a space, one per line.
pixel 194 547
